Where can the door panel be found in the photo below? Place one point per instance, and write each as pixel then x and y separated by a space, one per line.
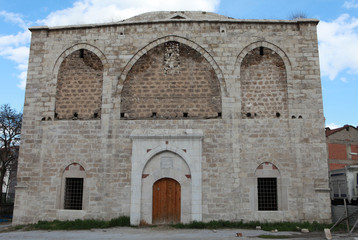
pixel 166 201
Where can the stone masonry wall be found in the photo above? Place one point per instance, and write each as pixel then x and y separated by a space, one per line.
pixel 171 81
pixel 79 86
pixel 232 146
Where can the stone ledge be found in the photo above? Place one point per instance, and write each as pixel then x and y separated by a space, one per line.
pixel 170 133
pixel 322 190
pixel 64 215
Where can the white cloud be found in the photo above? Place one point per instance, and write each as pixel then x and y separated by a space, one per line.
pixel 98 11
pixel 350 4
pixel 338 44
pixel 21 38
pixel 19 55
pixel 344 79
pixel 15 18
pixel 15 46
pixel 22 76
pixel 333 126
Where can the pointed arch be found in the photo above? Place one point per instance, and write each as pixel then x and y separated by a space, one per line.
pixel 165 148
pixel 76 47
pixel 195 46
pixel 171 80
pixel 258 44
pixel 268 167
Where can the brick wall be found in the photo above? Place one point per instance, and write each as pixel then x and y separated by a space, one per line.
pixel 337 151
pixel 264 85
pixel 354 149
pixel 79 86
pixel 333 166
pixel 171 80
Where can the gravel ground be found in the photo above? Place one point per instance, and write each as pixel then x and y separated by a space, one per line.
pixel 127 233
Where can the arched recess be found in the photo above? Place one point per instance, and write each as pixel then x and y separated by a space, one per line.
pixel 166 164
pixel 171 77
pixel 78 75
pixel 74 189
pixel 270 189
pixel 183 145
pixel 263 69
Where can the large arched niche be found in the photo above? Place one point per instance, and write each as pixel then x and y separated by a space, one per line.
pixel 171 80
pixel 263 85
pixel 79 85
pixel 263 69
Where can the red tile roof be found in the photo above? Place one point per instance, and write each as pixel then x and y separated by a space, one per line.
pixel 332 131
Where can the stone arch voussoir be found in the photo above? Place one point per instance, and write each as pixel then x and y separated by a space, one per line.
pixel 66 164
pixel 273 162
pixel 165 148
pixel 76 47
pixel 252 46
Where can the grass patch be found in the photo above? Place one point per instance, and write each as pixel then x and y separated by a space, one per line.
pixel 77 224
pixel 280 226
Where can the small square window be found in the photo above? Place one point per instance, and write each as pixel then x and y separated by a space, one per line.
pixel 267 194
pixel 73 193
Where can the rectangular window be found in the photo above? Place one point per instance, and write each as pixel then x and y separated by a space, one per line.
pixel 73 193
pixel 267 194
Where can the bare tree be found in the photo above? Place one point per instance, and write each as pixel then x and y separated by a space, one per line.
pixel 10 130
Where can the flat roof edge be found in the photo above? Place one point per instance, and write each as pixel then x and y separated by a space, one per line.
pixel 123 23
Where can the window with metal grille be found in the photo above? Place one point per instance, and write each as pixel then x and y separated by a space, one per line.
pixel 267 194
pixel 73 193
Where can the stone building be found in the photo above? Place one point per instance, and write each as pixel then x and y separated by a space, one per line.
pixel 174 116
pixel 342 146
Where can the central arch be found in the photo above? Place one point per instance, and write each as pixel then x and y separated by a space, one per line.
pixel 172 80
pixel 120 81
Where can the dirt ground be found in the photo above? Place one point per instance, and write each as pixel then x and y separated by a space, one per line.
pixel 159 233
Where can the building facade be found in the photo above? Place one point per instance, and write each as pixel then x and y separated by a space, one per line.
pixel 174 116
pixel 342 146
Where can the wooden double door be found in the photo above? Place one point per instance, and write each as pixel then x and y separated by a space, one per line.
pixel 166 201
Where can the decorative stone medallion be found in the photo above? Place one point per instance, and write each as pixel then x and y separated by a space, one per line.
pixel 171 58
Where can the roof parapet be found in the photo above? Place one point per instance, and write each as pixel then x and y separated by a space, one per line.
pixel 221 19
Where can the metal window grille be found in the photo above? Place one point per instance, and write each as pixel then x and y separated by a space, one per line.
pixel 267 194
pixel 73 193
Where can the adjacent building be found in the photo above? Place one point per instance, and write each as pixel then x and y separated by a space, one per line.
pixel 342 146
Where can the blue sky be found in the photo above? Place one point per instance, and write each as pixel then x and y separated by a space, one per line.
pixel 337 34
